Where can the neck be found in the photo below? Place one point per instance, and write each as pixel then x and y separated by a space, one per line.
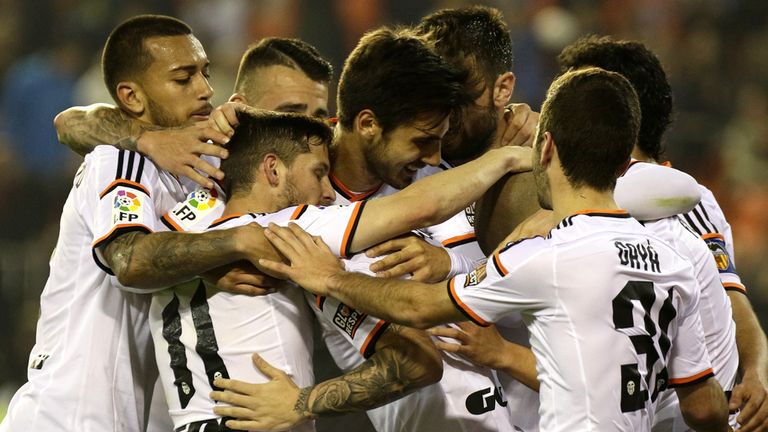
pixel 251 203
pixel 567 200
pixel 349 165
pixel 641 156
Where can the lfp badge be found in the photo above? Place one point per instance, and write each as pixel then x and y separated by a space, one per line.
pixel 127 207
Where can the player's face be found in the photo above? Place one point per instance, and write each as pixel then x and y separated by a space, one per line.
pixel 540 175
pixel 307 178
pixel 176 83
pixel 472 130
pixel 284 89
pixel 396 156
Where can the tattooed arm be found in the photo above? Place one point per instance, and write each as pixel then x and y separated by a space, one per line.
pixel 176 150
pixel 157 260
pixel 405 360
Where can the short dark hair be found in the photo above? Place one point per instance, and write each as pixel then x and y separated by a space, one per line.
pixel 292 53
pixel 259 133
pixel 393 73
pixel 642 68
pixel 125 55
pixel 475 34
pixel 594 117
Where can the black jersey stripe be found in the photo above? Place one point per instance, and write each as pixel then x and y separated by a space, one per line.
pixel 140 169
pixel 207 346
pixel 692 224
pixel 129 168
pixel 120 158
pixel 706 216
pixel 172 335
pixel 708 227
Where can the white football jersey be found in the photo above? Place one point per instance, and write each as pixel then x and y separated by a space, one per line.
pixel 91 367
pixel 467 398
pixel 201 333
pixel 604 301
pixel 456 234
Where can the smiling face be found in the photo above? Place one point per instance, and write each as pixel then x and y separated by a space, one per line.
pixel 175 86
pixel 396 155
pixel 283 89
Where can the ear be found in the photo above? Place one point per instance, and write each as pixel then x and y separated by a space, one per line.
pixel 271 169
pixel 548 150
pixel 131 98
pixel 502 89
pixel 238 97
pixel 367 124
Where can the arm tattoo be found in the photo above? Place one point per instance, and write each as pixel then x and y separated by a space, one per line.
pixel 302 403
pixel 388 375
pixel 82 130
pixel 164 259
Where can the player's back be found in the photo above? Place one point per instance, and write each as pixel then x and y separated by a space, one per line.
pixel 602 298
pixel 89 367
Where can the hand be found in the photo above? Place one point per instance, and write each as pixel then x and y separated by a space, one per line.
pixel 410 254
pixel 276 405
pixel 750 397
pixel 224 117
pixel 520 126
pixel 312 264
pixel 178 151
pixel 243 278
pixel 478 344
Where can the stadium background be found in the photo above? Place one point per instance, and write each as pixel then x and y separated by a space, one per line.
pixel 715 53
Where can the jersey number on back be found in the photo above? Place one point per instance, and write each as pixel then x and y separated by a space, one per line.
pixel 651 341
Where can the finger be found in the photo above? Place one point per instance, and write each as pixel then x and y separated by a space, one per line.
pixel 230 112
pixel 214 150
pixel 737 398
pixel 220 121
pixel 232 398
pixel 385 248
pixel 196 177
pixel 250 290
pixel 399 270
pixel 301 235
pixel 282 239
pixel 388 262
pixel 200 165
pixel 267 369
pixel 445 332
pixel 211 134
pixel 515 121
pixel 448 347
pixel 243 425
pixel 234 412
pixel 277 268
pixel 752 416
pixel 321 244
pixel 233 385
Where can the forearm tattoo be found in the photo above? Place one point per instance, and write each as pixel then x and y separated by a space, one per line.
pixel 302 406
pixel 386 376
pixel 85 129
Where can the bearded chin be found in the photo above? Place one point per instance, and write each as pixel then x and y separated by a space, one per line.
pixel 161 117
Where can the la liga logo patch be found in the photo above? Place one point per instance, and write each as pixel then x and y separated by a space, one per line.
pixel 203 199
pixel 127 206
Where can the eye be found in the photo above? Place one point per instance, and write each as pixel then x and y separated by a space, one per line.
pixel 182 81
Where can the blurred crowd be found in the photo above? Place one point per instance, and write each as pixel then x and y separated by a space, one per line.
pixel 715 53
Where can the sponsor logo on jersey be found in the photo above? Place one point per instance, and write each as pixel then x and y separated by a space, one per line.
pixel 469 212
pixel 348 319
pixel 198 204
pixel 38 361
pixel 126 207
pixel 475 276
pixel 485 400
pixel 720 253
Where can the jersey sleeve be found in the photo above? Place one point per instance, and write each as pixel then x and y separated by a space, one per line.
pixel 506 283
pixel 119 191
pixel 708 221
pixel 336 225
pixel 651 192
pixel 457 236
pixel 359 329
pixel 197 212
pixel 689 361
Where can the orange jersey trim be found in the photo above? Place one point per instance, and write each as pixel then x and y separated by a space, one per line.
pixel 128 183
pixel 690 379
pixel 733 286
pixel 223 219
pixel 372 336
pixel 708 236
pixel 453 241
pixel 170 223
pixel 462 306
pixel 298 211
pixel 348 194
pixel 499 266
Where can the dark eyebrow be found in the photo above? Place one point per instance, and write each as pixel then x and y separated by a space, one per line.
pixel 320 113
pixel 190 68
pixel 291 107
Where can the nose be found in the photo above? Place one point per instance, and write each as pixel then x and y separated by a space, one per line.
pixel 204 88
pixel 432 155
pixel 329 195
